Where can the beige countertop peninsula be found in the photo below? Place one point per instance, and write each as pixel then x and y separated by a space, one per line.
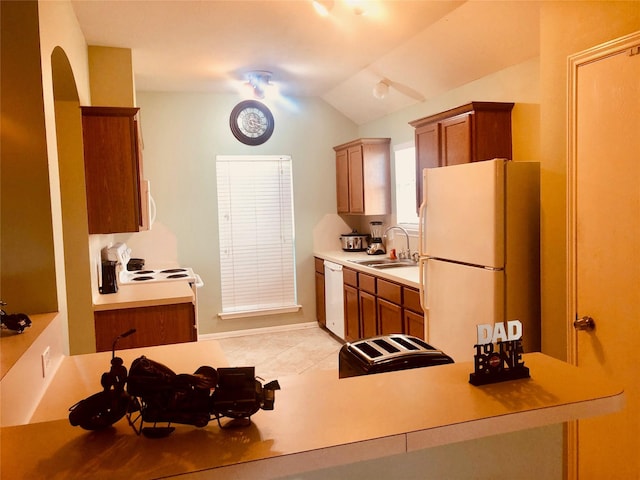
pixel 319 421
pixel 409 276
pixel 144 295
pixel 13 345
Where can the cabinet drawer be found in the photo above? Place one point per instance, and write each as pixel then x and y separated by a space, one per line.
pixel 319 265
pixel 367 283
pixel 390 291
pixel 412 300
pixel 350 277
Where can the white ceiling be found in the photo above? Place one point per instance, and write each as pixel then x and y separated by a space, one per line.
pixel 423 47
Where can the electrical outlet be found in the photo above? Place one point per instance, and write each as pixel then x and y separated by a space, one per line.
pixel 46 361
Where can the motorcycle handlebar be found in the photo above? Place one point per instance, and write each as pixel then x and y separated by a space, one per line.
pixel 122 335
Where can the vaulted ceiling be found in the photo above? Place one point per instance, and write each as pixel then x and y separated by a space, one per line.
pixel 421 48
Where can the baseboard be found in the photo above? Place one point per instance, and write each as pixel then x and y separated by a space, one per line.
pixel 257 331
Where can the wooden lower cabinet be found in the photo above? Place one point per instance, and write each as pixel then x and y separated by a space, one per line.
pixel 389 307
pixel 414 324
pixel 351 313
pixel 389 318
pixel 375 306
pixel 368 315
pixel 155 325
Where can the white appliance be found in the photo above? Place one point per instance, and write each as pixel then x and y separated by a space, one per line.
pixel 479 252
pixel 160 275
pixel 334 298
pixel 147 206
pixel 121 253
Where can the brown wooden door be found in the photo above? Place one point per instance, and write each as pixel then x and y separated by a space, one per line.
pixel 368 317
pixel 356 180
pixel 351 314
pixel 112 172
pixel 427 140
pixel 342 181
pixel 456 140
pixel 390 318
pixel 155 325
pixel 414 324
pixel 606 235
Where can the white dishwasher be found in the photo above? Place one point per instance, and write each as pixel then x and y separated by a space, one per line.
pixel 334 298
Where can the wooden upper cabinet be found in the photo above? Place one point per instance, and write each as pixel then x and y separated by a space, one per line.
pixel 469 133
pixel 112 169
pixel 363 177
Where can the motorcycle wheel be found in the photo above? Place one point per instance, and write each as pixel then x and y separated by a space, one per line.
pixel 99 411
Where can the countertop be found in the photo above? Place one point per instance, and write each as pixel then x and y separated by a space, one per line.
pixel 409 276
pixel 13 345
pixel 318 421
pixel 79 375
pixel 144 295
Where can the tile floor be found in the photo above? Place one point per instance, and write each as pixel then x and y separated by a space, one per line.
pixel 289 352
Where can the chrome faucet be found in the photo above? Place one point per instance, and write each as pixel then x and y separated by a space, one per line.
pixel 406 235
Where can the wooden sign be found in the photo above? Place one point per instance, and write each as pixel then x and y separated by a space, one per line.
pixel 498 355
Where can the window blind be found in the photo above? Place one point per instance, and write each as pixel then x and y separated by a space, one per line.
pixel 256 230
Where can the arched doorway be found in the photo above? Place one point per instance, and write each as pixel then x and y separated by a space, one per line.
pixel 73 205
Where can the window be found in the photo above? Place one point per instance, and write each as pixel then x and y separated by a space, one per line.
pixel 405 172
pixel 256 231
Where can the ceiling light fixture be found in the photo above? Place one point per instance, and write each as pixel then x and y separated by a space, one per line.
pixel 381 89
pixel 322 7
pixel 259 81
pixel 357 6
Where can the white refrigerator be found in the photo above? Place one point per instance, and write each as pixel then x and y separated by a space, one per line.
pixel 479 252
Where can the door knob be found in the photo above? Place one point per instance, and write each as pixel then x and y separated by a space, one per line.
pixel 584 323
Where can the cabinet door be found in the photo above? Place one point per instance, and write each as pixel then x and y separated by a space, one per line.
pixel 356 180
pixel 321 312
pixel 411 299
pixel 389 317
pixel 456 140
pixel 351 314
pixel 112 171
pixel 427 140
pixel 155 325
pixel 414 324
pixel 342 181
pixel 368 323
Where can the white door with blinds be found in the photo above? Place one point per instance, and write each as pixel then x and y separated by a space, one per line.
pixel 256 230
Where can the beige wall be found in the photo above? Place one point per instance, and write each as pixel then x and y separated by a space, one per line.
pixel 60 33
pixel 565 28
pixel 183 133
pixel 28 270
pixel 111 76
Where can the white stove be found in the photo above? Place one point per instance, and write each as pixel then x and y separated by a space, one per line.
pixel 160 275
pixel 121 253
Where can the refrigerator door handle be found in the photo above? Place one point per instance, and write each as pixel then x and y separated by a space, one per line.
pixel 423 287
pixel 421 221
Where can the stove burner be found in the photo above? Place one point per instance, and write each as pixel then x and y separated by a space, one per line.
pixel 142 272
pixel 174 270
pixel 177 275
pixel 142 279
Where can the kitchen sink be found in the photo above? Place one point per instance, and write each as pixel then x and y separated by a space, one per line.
pixel 386 263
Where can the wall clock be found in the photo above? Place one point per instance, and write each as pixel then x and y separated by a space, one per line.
pixel 251 122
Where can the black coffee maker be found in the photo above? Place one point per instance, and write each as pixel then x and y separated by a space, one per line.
pixel 109 282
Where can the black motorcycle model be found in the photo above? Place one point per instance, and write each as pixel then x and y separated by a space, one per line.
pixel 152 393
pixel 13 321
